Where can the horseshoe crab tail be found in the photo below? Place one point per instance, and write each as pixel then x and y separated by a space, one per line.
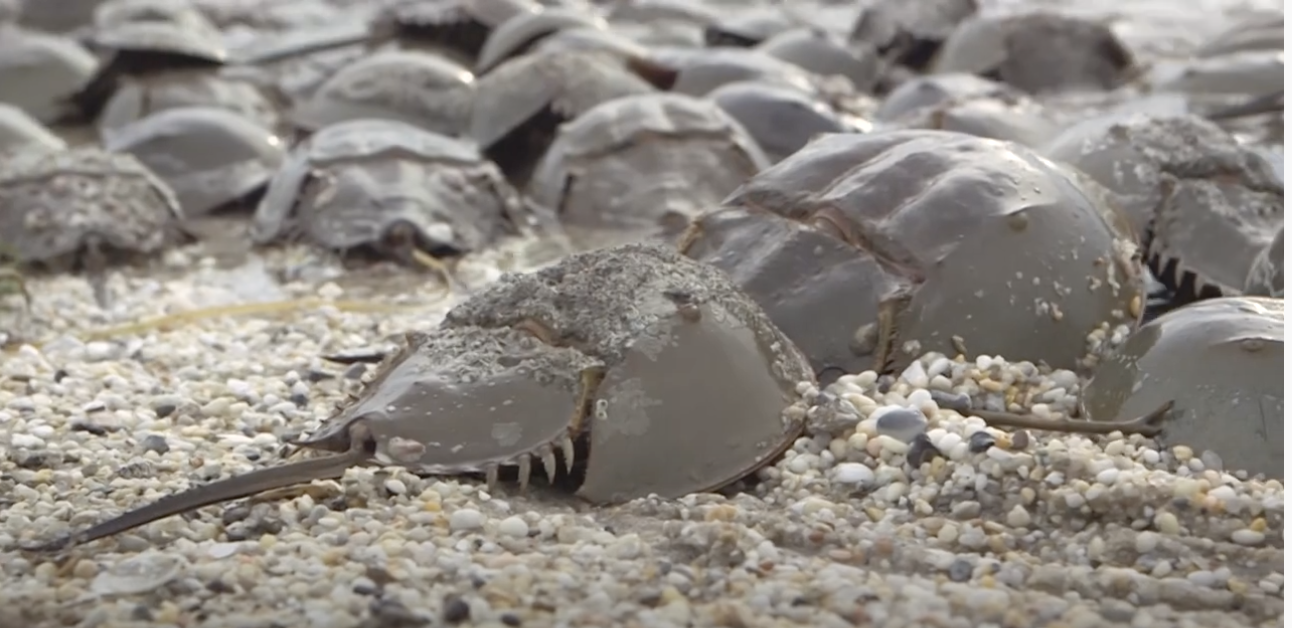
pixel 232 488
pixel 1148 425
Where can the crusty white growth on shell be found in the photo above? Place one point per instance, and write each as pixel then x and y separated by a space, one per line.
pixel 50 201
pixel 575 299
pixel 1198 198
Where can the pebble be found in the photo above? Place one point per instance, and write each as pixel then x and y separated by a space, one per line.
pixel 466 519
pixel 900 424
pixel 903 514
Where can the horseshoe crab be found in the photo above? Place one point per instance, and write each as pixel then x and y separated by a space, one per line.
pixel 1261 31
pixel 815 51
pixel 1204 205
pixel 519 105
pixel 20 131
pixel 909 33
pixel 419 88
pixel 144 40
pixel 780 119
pixel 38 72
pixel 533 375
pixel 458 28
pixel 84 208
pixel 931 91
pixel 520 32
pixel 1000 114
pixel 391 188
pixel 60 17
pixel 1221 362
pixel 294 63
pixel 870 250
pixel 1265 278
pixel 647 164
pixel 748 28
pixel 1037 52
pixel 210 157
pixel 136 99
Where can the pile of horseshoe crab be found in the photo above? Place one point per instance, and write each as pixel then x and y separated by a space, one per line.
pixel 751 196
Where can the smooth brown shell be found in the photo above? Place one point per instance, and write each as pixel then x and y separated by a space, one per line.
pixel 942 234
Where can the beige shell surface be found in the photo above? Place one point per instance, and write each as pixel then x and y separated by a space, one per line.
pixel 1221 362
pixel 647 163
pixel 968 246
pixel 20 131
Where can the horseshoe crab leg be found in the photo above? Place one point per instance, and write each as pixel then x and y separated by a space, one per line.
pixel 438 265
pixel 1147 425
pixel 12 282
pixel 96 269
pixel 259 481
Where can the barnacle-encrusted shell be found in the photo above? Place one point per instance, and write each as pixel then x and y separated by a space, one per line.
pixel 50 201
pixel 1204 204
pixel 695 373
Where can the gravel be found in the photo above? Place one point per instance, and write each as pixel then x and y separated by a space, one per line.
pixel 990 529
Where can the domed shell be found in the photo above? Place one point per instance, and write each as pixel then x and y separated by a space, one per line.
pixel 136 99
pixel 869 250
pixel 522 30
pixel 817 52
pixel 1204 204
pixel 38 71
pixel 1221 362
pixel 930 91
pixel 351 182
pixel 647 163
pixel 909 33
pixel 458 28
pixel 422 89
pixel 190 38
pixel 1260 31
pixel 1037 52
pixel 702 71
pixel 51 201
pixel 780 119
pixel 209 156
pixel 747 28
